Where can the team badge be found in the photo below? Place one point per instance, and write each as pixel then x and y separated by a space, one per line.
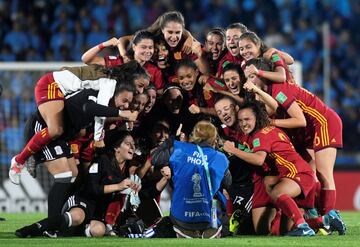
pixel 281 97
pixel 256 142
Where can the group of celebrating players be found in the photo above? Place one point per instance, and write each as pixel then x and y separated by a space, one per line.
pixel 97 128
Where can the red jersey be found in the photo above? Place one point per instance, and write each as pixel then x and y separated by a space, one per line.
pixel 281 153
pixel 156 77
pixel 113 61
pixel 154 72
pixel 217 81
pixel 225 60
pixel 176 53
pixel 233 134
pixel 322 122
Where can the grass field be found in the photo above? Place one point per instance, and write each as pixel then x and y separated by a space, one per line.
pixel 14 221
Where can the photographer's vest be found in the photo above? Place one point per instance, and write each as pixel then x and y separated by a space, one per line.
pixel 191 200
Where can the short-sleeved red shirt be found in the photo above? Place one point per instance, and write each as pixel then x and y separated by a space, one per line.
pixel 322 122
pixel 281 153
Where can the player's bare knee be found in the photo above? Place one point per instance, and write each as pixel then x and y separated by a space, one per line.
pixel 55 131
pixel 77 216
pixel 97 229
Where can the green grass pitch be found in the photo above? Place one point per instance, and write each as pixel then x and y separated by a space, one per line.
pixel 14 221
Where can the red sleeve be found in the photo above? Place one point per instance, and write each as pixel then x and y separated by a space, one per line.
pixel 112 61
pixel 217 83
pixel 223 62
pixel 277 60
pixel 282 93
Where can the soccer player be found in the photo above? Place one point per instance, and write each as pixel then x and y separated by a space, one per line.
pixel 251 46
pixel 198 101
pixel 239 204
pixel 269 144
pixel 142 50
pixel 234 79
pixel 57 158
pixel 322 125
pixel 215 48
pixel 50 92
pixel 86 209
pixel 170 26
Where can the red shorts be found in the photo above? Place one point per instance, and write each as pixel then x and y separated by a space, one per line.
pixel 260 197
pixel 82 148
pixel 308 201
pixel 47 89
pixel 306 181
pixel 326 131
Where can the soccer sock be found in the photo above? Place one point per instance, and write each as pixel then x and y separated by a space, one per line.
pixel 327 201
pixel 317 193
pixel 36 143
pixel 112 212
pixel 48 224
pixel 275 224
pixel 54 222
pixel 58 193
pixel 290 209
pixel 315 223
pixel 229 207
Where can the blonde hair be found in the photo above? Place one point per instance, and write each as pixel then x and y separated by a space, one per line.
pixel 204 132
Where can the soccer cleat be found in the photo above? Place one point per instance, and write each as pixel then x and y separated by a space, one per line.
pixel 109 231
pixel 15 171
pixel 234 222
pixel 50 234
pixel 22 232
pixel 30 230
pixel 334 222
pixel 31 165
pixel 301 230
pixel 311 213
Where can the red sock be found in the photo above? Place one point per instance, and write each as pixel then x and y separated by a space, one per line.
pixel 290 209
pixel 327 201
pixel 229 207
pixel 275 224
pixel 315 223
pixel 317 193
pixel 112 212
pixel 36 143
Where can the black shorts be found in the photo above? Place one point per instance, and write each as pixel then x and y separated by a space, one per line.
pixel 56 149
pixel 241 197
pixel 76 201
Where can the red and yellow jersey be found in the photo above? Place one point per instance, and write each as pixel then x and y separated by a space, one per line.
pixel 281 155
pixel 285 94
pixel 177 54
pixel 322 122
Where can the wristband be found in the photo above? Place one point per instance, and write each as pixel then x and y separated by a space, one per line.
pixel 101 46
pixel 260 73
pixel 120 113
